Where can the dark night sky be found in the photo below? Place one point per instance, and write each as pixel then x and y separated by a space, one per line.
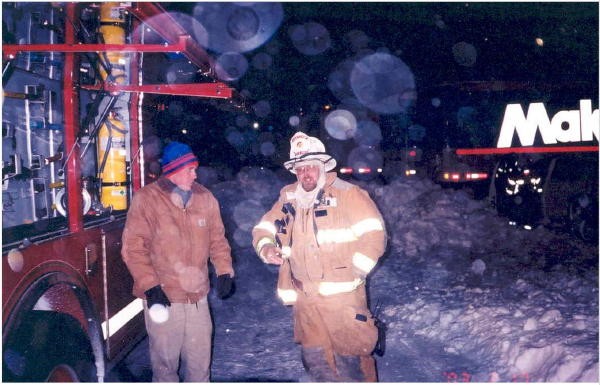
pixel 423 35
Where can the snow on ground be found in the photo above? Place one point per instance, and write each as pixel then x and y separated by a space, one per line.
pixel 465 296
pixel 522 305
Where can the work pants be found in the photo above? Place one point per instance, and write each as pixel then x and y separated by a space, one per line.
pixel 185 336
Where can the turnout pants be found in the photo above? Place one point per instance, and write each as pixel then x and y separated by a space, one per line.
pixel 185 336
pixel 337 334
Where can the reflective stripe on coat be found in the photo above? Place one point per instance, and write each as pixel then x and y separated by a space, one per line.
pixel 334 245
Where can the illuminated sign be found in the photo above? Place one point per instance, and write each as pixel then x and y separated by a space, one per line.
pixel 565 126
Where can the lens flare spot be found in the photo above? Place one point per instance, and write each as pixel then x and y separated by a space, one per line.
pixel 341 124
pixel 294 121
pixel 383 83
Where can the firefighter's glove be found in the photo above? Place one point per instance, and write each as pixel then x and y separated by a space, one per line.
pixel 225 286
pixel 156 295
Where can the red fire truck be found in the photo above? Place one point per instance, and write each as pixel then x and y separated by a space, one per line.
pixel 72 156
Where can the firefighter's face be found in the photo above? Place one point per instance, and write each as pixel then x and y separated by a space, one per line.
pixel 308 175
pixel 185 177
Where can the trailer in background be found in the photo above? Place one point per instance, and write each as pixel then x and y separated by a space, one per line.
pixel 514 142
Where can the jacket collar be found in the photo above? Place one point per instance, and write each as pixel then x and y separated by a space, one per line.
pixel 166 185
pixel 330 178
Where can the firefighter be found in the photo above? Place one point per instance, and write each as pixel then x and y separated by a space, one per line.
pixel 327 235
pixel 173 228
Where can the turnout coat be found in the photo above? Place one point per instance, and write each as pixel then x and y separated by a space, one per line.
pixel 328 251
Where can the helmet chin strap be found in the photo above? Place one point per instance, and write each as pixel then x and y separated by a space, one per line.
pixel 306 199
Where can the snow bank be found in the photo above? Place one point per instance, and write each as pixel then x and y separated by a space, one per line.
pixel 487 290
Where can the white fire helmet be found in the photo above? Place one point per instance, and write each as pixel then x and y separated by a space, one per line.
pixel 304 148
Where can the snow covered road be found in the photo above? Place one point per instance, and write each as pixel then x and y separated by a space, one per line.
pixel 465 296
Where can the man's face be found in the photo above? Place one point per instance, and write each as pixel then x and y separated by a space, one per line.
pixel 308 175
pixel 185 177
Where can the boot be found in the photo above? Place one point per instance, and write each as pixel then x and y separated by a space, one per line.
pixel 369 368
pixel 349 368
pixel 316 365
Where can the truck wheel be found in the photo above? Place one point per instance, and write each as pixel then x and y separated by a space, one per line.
pixel 586 231
pixel 62 373
pixel 48 346
pixel 581 215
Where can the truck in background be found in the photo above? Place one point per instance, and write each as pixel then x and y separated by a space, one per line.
pixel 530 149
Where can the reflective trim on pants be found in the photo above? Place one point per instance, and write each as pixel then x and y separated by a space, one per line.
pixel 186 335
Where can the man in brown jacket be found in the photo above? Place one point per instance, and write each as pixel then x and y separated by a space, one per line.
pixel 173 228
pixel 327 235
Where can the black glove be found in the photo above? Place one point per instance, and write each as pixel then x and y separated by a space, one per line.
pixel 225 286
pixel 156 295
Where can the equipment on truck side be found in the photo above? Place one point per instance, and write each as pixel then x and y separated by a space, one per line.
pixel 72 156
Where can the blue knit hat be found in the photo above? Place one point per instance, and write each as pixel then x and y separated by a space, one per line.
pixel 175 156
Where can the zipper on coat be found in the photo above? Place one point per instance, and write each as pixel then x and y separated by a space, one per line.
pixel 189 235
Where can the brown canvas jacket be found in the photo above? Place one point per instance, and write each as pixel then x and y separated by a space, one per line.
pixel 168 244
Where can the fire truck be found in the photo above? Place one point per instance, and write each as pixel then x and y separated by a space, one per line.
pixel 73 155
pixel 540 165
